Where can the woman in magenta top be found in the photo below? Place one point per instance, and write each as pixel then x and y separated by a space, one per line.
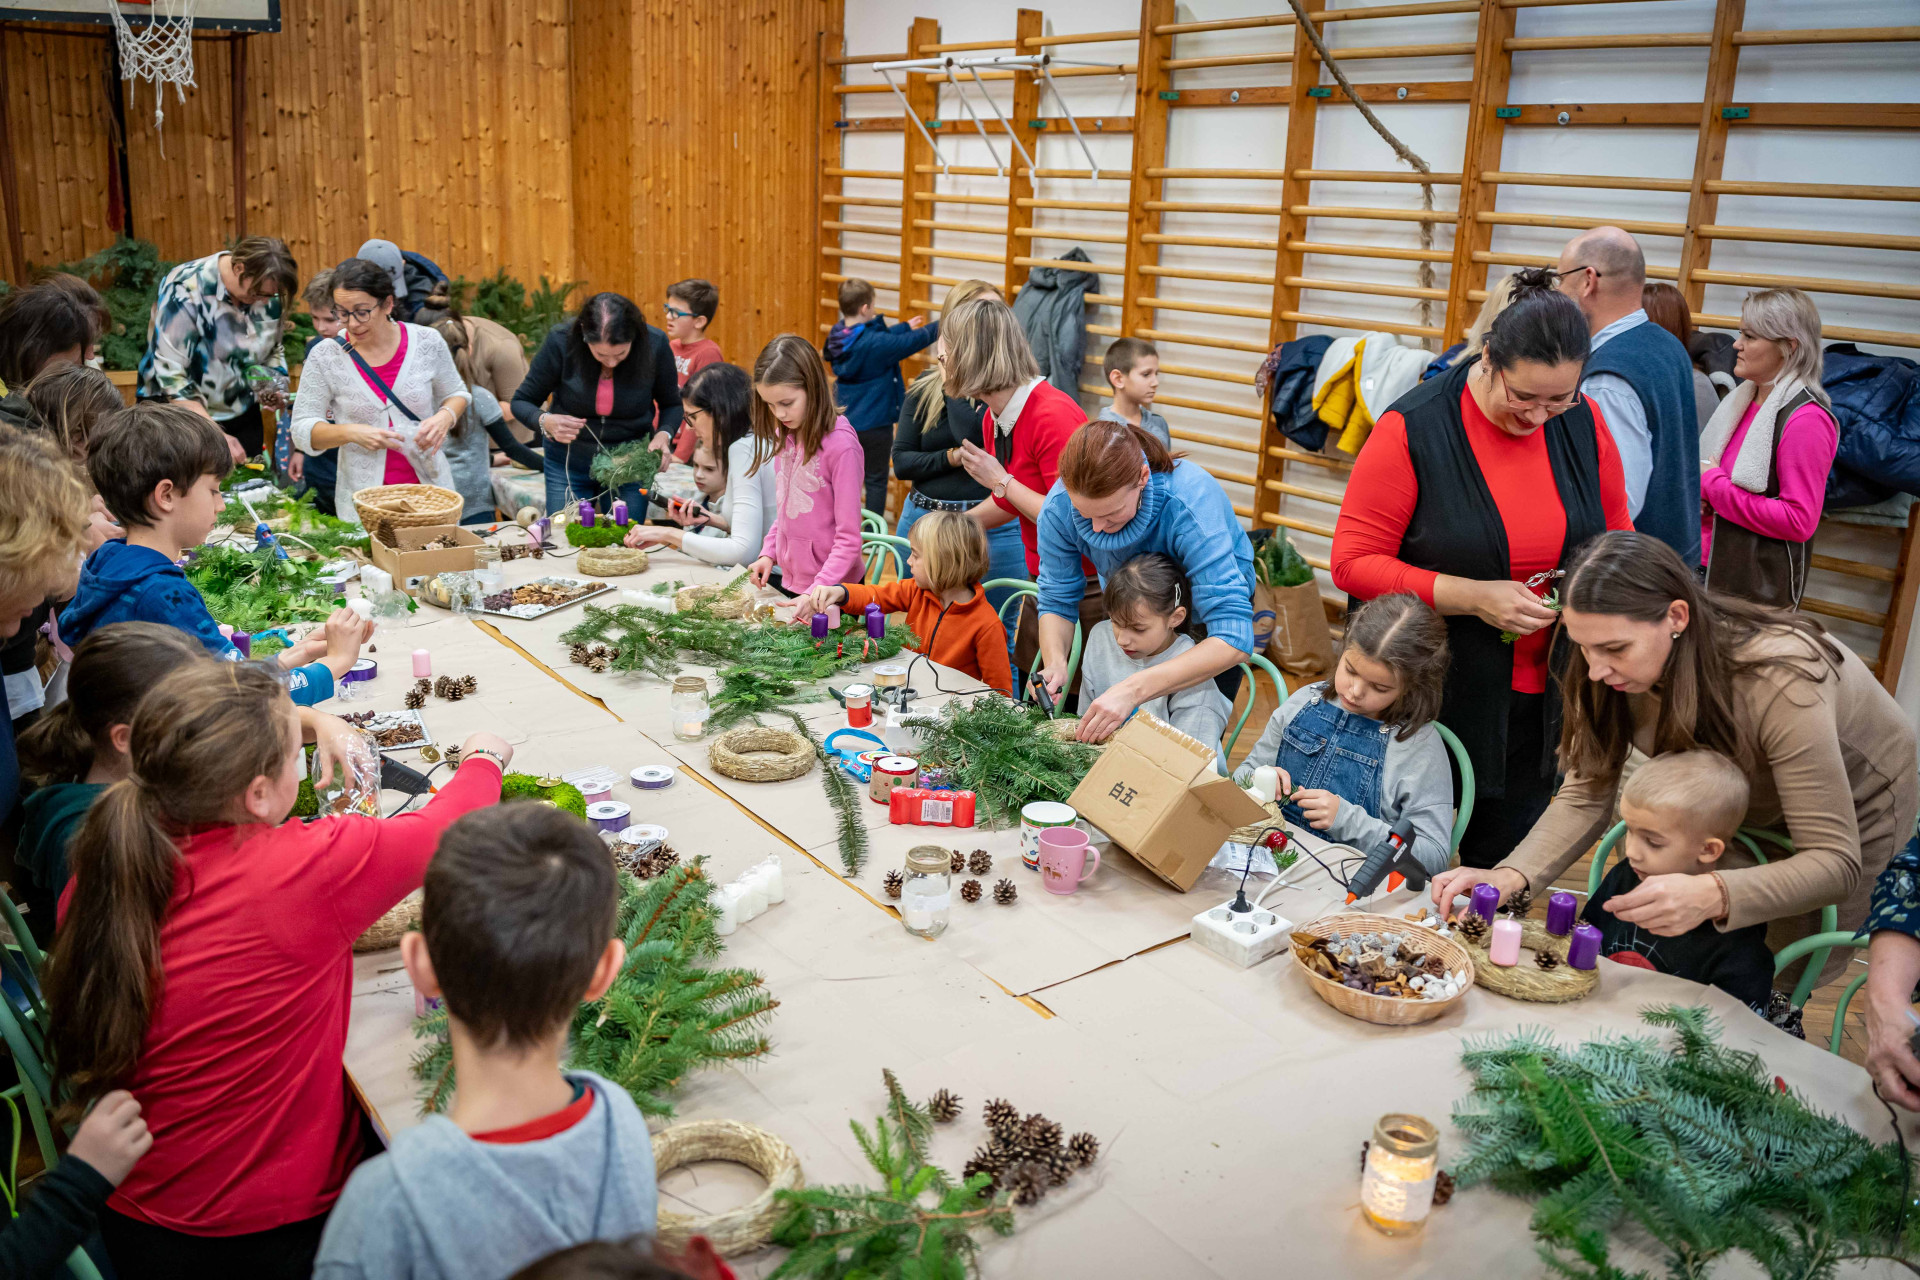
pixel 1473 484
pixel 1765 454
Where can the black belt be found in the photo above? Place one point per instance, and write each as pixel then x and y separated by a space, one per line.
pixel 925 503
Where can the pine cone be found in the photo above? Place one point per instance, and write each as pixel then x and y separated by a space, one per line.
pixel 415 699
pixel 893 882
pixel 999 1114
pixel 578 653
pixel 598 664
pixel 469 685
pixel 1005 892
pixel 443 686
pixel 454 693
pixel 423 686
pixel 988 1161
pixel 1471 927
pixel 1029 1181
pixel 980 862
pixel 1040 1134
pixel 1443 1188
pixel 943 1106
pixel 957 862
pixel 1060 1166
pixel 970 891
pixel 1517 905
pixel 1547 961
pixel 601 651
pixel 1084 1148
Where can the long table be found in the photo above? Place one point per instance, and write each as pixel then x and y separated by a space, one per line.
pixel 1230 1104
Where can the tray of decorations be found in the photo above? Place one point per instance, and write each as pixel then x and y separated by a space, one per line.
pixel 542 596
pixel 391 730
pixel 1383 970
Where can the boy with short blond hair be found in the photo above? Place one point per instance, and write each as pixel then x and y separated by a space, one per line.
pixel 1682 810
pixel 1132 367
pixel 517 922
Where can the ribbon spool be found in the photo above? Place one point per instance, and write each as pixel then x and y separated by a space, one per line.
pixel 890 772
pixel 642 832
pixel 365 669
pixel 890 675
pixel 609 815
pixel 652 777
pixel 593 789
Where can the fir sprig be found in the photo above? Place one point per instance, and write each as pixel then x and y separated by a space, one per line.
pixel 1003 752
pixel 850 828
pixel 1695 1146
pixel 636 463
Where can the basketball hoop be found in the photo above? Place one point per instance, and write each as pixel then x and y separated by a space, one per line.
pixel 161 52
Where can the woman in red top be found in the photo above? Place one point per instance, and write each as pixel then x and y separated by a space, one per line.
pixel 1471 493
pixel 986 357
pixel 204 962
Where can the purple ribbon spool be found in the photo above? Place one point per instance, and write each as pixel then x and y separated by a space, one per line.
pixel 365 669
pixel 609 815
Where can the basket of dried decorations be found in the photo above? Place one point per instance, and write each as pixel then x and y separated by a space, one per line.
pixel 738 1230
pixel 406 506
pixel 755 754
pixel 1383 970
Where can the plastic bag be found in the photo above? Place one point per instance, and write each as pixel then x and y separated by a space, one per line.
pixel 1277 564
pixel 356 780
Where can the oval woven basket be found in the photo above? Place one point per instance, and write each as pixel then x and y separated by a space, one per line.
pixel 386 931
pixel 611 562
pixel 407 506
pixel 1388 1011
pixel 1527 980
pixel 739 1230
pixel 755 754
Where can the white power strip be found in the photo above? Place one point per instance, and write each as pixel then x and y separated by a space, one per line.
pixel 1242 938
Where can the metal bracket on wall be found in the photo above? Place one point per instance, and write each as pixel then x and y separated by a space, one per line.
pixel 886 70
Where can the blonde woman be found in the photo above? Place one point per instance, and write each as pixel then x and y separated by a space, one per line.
pixel 927 445
pixel 1765 454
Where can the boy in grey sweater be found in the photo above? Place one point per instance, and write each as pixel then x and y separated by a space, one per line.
pixel 517 931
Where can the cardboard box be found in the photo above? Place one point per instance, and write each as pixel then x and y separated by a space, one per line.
pixel 1156 795
pixel 409 565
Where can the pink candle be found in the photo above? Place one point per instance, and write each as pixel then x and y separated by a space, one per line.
pixel 422 663
pixel 1505 947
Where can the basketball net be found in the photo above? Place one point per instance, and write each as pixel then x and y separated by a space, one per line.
pixel 161 52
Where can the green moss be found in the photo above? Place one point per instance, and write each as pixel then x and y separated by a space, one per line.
pixel 307 803
pixel 524 786
pixel 605 533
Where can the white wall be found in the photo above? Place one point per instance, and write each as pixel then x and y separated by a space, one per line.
pixel 1254 137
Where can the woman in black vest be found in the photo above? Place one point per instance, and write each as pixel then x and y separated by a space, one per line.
pixel 1472 492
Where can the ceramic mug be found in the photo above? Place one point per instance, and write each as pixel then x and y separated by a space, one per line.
pixel 1041 815
pixel 1063 859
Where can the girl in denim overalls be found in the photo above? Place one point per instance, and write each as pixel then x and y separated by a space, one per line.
pixel 1359 752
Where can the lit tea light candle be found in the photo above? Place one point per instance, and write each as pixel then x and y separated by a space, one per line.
pixel 1396 1182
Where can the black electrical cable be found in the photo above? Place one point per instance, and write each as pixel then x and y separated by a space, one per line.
pixel 404 804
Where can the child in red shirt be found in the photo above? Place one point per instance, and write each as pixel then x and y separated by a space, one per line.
pixel 943 600
pixel 690 308
pixel 204 962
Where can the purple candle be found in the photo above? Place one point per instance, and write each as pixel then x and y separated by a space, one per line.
pixel 243 642
pixel 1561 908
pixel 819 626
pixel 586 514
pixel 1486 900
pixel 1584 951
pixel 876 622
pixel 620 512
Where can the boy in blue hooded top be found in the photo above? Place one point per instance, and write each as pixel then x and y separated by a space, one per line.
pixel 157 467
pixel 517 931
pixel 865 352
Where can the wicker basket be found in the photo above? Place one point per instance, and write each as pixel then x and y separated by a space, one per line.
pixel 387 930
pixel 1388 1011
pixel 407 506
pixel 1527 980
pixel 739 1230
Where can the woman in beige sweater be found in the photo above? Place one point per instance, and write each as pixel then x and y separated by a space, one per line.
pixel 1660 664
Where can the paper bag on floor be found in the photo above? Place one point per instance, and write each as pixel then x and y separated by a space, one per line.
pixel 1302 644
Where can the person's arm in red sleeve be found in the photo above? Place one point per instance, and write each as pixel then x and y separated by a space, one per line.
pixel 892 597
pixel 372 863
pixel 1613 478
pixel 1381 494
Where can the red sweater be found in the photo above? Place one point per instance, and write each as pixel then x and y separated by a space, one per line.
pixel 1047 418
pixel 971 639
pixel 1382 491
pixel 240 1074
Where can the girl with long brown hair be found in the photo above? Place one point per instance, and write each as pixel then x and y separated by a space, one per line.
pixel 1659 663
pixel 819 470
pixel 204 962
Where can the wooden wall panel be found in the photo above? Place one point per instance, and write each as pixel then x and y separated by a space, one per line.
pixel 181 174
pixel 60 126
pixel 602 105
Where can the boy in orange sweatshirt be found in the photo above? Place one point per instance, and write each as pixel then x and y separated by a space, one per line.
pixel 943 600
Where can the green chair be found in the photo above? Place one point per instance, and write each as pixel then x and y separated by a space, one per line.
pixel 1016 589
pixel 1463 812
pixel 1249 671
pixel 1752 838
pixel 872 522
pixel 877 548
pixel 78 1263
pixel 1822 944
pixel 35 1088
pixel 23 939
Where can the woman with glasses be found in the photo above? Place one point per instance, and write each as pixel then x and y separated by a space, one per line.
pixel 384 392
pixel 1473 492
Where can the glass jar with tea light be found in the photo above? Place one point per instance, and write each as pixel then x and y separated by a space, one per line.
pixel 687 705
pixel 1396 1184
pixel 488 569
pixel 926 896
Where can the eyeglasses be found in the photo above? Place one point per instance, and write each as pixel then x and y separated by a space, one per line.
pixel 691 412
pixel 361 316
pixel 1598 274
pixel 677 314
pixel 1526 404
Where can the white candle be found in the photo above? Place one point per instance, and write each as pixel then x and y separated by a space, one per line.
pixel 775 878
pixel 753 897
pixel 726 910
pixel 1266 783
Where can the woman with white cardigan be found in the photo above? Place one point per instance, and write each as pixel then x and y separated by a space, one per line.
pixel 385 394
pixel 717 402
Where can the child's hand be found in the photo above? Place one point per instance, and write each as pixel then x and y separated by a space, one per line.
pixel 917 322
pixel 1319 808
pixel 490 742
pixel 335 744
pixel 760 570
pixel 345 632
pixel 818 600
pixel 683 512
pixel 113 1137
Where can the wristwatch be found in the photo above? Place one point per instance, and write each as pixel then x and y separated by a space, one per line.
pixel 488 753
pixel 1000 490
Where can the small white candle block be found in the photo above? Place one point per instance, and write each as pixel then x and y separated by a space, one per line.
pixel 362 606
pixel 726 910
pixel 753 897
pixel 1266 783
pixel 775 879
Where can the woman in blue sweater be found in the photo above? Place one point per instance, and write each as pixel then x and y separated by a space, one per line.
pixel 1121 494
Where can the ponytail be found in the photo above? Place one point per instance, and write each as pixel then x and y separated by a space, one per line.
pixel 113 668
pixel 57 748
pixel 1104 456
pixel 200 738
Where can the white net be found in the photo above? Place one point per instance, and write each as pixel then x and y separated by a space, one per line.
pixel 160 52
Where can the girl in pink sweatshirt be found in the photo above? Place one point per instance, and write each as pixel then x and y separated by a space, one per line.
pixel 818 468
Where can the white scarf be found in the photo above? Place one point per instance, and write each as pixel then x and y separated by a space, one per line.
pixel 1755 460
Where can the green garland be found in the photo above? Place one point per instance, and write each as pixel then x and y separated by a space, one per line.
pixel 251 588
pixel 1696 1147
pixel 635 463
pixel 1003 752
pixel 666 1015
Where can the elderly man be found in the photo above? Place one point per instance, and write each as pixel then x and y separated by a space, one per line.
pixel 1642 379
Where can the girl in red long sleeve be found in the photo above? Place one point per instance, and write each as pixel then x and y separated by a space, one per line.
pixel 204 962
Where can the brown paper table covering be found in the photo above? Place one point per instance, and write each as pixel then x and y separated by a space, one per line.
pixel 1230 1103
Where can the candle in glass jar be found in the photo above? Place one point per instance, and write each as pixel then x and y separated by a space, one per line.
pixel 1486 900
pixel 620 511
pixel 1561 909
pixel 1504 949
pixel 1396 1181
pixel 1584 951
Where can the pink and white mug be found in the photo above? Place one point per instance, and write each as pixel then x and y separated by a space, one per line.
pixel 1063 859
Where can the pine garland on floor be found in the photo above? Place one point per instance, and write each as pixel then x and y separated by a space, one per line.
pixel 1005 753
pixel 917 1225
pixel 1694 1146
pixel 667 1014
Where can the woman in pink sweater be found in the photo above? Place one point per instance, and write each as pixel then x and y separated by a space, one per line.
pixel 818 469
pixel 1765 454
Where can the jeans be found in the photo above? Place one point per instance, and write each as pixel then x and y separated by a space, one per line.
pixel 570 481
pixel 1328 748
pixel 1006 555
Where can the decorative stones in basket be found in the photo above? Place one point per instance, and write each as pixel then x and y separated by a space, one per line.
pixel 1387 1010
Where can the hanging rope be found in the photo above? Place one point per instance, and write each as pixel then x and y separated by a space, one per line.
pixel 1425 275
